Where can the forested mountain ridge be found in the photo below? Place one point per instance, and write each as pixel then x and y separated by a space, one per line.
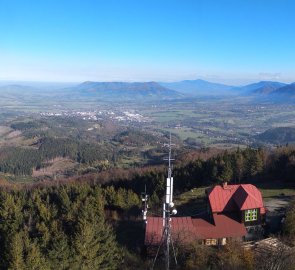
pixel 33 146
pixel 197 87
pixel 268 87
pixel 288 90
pixel 22 161
pixel 262 87
pixel 279 135
pixel 139 90
pixel 123 89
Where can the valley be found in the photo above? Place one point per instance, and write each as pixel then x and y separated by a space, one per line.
pixel 115 150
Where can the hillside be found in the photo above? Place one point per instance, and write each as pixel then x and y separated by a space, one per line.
pixel 280 135
pixel 124 90
pixel 262 87
pixel 198 87
pixel 17 88
pixel 269 87
pixel 287 90
pixel 13 90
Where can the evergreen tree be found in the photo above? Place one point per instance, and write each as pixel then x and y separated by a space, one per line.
pixel 59 253
pixel 226 172
pixel 94 246
pixel 16 253
pixel 34 258
pixel 239 166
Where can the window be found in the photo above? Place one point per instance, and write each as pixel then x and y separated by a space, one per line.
pixel 251 215
pixel 211 242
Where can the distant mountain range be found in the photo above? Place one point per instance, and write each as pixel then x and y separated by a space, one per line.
pixel 16 88
pixel 161 90
pixel 124 90
pixel 18 92
pixel 287 90
pixel 201 87
pixel 263 87
pixel 197 87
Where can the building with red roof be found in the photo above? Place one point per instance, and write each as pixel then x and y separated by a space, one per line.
pixel 233 210
pixel 244 201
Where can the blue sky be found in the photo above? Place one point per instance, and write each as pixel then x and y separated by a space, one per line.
pixel 231 41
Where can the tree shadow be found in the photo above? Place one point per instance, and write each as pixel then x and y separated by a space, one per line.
pixel 193 207
pixel 130 234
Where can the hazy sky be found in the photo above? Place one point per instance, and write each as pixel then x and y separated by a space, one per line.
pixel 232 41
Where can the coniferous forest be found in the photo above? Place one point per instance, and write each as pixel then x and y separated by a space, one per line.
pixel 56 228
pixel 94 222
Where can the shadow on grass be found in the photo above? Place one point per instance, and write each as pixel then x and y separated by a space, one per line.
pixel 274 185
pixel 193 207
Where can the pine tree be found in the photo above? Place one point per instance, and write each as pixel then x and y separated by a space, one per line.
pixel 59 254
pixel 34 259
pixel 239 166
pixel 16 256
pixel 226 172
pixel 94 245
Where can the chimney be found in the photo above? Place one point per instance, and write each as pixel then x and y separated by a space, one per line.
pixel 224 185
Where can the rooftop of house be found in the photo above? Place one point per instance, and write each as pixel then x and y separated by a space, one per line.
pixel 225 201
pixel 187 229
pixel 229 198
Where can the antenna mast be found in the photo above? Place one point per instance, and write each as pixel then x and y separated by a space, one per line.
pixel 167 212
pixel 144 199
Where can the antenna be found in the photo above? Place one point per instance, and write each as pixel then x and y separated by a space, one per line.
pixel 169 182
pixel 167 212
pixel 144 199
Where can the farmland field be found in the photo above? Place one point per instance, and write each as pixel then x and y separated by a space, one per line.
pixel 202 121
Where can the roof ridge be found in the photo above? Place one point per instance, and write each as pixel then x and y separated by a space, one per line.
pixel 252 194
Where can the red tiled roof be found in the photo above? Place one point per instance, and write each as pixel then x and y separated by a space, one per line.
pixel 234 197
pixel 186 229
pixel 224 226
pixel 182 229
pixel 222 200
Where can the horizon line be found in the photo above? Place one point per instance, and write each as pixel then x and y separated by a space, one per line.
pixel 9 82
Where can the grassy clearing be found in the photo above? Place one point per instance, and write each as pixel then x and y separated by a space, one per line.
pixel 272 193
pixel 20 179
pixel 189 195
pixel 58 165
pixel 275 189
pixel 191 203
pixel 163 117
pixel 184 133
pixel 127 162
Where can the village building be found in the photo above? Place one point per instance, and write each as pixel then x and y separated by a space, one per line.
pixel 233 212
